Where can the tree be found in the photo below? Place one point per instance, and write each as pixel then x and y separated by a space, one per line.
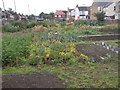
pixel 100 16
pixel 41 15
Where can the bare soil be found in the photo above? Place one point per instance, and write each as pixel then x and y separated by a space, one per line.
pixel 102 37
pixel 95 51
pixel 31 81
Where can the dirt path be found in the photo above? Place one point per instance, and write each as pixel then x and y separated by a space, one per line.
pixel 31 81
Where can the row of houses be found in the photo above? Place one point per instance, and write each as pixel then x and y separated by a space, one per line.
pixel 9 16
pixel 111 9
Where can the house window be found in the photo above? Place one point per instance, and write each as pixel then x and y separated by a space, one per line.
pixel 82 13
pixel 59 15
pixel 99 8
pixel 55 15
pixel 114 8
pixel 62 15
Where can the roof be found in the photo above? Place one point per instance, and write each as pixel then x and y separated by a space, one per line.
pixel 65 12
pixel 59 12
pixel 84 8
pixel 103 4
pixel 70 10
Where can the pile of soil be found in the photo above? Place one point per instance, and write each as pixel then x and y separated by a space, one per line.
pixel 31 81
pixel 95 51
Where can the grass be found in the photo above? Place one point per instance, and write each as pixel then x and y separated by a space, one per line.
pixel 90 75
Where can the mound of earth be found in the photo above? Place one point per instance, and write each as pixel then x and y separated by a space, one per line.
pixel 31 81
pixel 95 51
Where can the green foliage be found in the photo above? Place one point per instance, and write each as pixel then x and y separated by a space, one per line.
pixel 100 16
pixel 81 22
pixel 14 49
pixel 11 29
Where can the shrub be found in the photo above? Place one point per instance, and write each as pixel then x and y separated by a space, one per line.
pixel 11 29
pixel 14 48
pixel 81 22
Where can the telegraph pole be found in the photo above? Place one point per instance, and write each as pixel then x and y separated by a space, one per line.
pixel 4 8
pixel 3 4
pixel 15 5
pixel 28 9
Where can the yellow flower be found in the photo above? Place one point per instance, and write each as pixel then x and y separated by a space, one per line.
pixel 47 55
pixel 72 45
pixel 84 57
pixel 72 49
pixel 47 49
pixel 62 53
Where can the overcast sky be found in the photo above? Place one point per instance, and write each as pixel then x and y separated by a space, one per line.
pixel 46 6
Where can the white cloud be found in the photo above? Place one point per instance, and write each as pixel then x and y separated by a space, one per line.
pixel 38 6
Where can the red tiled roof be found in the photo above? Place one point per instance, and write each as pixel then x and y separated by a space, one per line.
pixel 59 12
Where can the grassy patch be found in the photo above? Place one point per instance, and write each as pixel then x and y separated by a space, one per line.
pixel 92 75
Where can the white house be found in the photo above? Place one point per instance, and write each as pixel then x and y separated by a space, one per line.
pixel 70 13
pixel 82 12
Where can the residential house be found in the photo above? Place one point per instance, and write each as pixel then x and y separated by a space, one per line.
pixel 101 7
pixel 117 11
pixel 70 14
pixel 79 13
pixel 22 17
pixel 59 15
pixel 110 7
pixel 84 12
pixel 7 16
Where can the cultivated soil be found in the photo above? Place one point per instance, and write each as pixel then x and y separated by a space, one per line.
pixel 95 51
pixel 31 81
pixel 101 37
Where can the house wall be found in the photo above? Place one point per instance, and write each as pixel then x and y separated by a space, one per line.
pixel 93 10
pixel 110 10
pixel 117 12
pixel 84 15
pixel 72 13
pixel 77 14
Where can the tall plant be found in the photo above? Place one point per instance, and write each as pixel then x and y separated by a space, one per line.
pixel 100 16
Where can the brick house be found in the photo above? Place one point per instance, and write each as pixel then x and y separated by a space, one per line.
pixel 59 15
pixel 7 16
pixel 110 7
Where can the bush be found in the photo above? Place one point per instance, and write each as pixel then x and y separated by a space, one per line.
pixel 11 29
pixel 81 22
pixel 14 49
